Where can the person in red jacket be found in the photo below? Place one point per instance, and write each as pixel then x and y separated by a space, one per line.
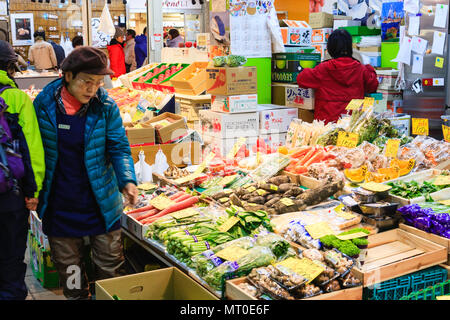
pixel 117 54
pixel 339 80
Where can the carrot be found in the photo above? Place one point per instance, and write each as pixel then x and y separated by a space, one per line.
pixel 300 169
pixel 300 153
pixel 316 158
pixel 142 209
pixel 183 197
pixel 176 195
pixel 306 157
pixel 148 214
pixel 176 207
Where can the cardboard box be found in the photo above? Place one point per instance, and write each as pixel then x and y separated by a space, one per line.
pixel 290 95
pixel 372 58
pixel 234 104
pixel 163 284
pixel 41 264
pixel 321 20
pixel 345 23
pixel 231 81
pixel 226 126
pixel 171 132
pixel 387 79
pixel 193 86
pixel 297 33
pixel 275 119
pixel 322 49
pixel 286 66
pixel 320 35
pixel 306 115
pixel 225 145
pixel 369 49
pixel 140 136
pixel 275 140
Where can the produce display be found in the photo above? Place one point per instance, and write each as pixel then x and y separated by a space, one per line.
pixel 230 61
pixel 161 73
pixel 414 189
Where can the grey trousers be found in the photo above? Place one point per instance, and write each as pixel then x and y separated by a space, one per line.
pixel 67 255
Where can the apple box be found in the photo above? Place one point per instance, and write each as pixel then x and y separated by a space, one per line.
pixel 298 32
pixel 286 66
pixel 321 35
pixel 291 95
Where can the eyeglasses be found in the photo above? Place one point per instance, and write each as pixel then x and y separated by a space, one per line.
pixel 90 83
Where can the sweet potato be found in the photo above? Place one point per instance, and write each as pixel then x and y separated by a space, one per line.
pixel 271 196
pixel 317 195
pixel 257 200
pixel 279 180
pixel 234 199
pixel 253 207
pixel 285 187
pixel 293 192
pixel 281 206
pixel 269 187
pixel 272 202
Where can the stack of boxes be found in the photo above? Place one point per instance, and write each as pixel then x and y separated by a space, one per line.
pixel 40 260
pixel 367 41
pixel 322 26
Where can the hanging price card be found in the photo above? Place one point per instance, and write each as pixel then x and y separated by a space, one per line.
pixel 352 236
pixel 368 102
pixel 304 267
pixel 189 212
pixel 392 146
pixel 231 253
pixel 236 148
pixel 318 230
pixel 347 139
pixel 446 132
pixel 354 104
pixel 227 225
pixel 420 126
pixel 161 202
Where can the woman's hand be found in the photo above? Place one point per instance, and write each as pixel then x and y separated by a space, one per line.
pixel 131 193
pixel 31 203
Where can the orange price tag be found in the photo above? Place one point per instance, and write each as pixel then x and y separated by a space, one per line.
pixel 420 126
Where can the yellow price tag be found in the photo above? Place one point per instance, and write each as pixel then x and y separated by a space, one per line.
pixel 318 230
pixel 205 163
pixel 375 187
pixel 227 225
pixel 354 104
pixel 392 146
pixel 339 208
pixel 232 253
pixel 352 236
pixel 304 267
pixel 368 102
pixel 161 202
pixel 287 202
pixel 446 132
pixel 261 192
pixel 251 189
pixel 346 215
pixel 189 212
pixel 439 63
pixel 420 126
pixel 236 148
pixel 442 180
pixel 137 116
pixel 347 139
pixel 446 202
pixel 187 178
pixel 147 186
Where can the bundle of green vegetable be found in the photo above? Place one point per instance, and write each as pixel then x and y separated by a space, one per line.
pixel 255 258
pixel 348 247
pixel 165 222
pixel 413 189
pixel 248 221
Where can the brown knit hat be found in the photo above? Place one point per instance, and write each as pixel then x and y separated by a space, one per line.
pixel 119 33
pixel 87 59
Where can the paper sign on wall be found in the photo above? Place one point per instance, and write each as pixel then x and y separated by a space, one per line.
pixel 438 82
pixel 438 42
pixel 404 54
pixel 417 65
pixel 439 62
pixel 419 45
pixel 440 17
pixel 414 25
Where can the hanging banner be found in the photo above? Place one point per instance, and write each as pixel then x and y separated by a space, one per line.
pixel 181 4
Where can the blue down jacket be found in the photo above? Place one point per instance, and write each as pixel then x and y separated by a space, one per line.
pixel 108 158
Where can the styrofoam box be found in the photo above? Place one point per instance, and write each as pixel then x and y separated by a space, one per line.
pixel 275 140
pixel 275 119
pixel 234 104
pixel 226 126
pixel 225 145
pixel 402 123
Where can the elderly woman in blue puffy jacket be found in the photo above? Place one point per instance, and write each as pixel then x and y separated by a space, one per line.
pixel 88 164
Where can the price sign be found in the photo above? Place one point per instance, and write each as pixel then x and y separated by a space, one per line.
pixel 304 267
pixel 420 126
pixel 352 236
pixel 198 171
pixel 236 148
pixel 339 208
pixel 147 186
pixel 161 202
pixel 318 230
pixel 355 104
pixel 189 212
pixel 446 202
pixel 442 180
pixel 446 132
pixel 375 187
pixel 287 202
pixel 251 189
pixel 368 102
pixel 347 139
pixel 231 253
pixel 392 146
pixel 227 225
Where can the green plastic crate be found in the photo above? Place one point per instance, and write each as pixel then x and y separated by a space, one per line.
pixel 362 31
pixel 430 293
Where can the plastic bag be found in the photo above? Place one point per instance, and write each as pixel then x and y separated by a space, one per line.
pixel 106 23
pixel 143 170
pixel 161 164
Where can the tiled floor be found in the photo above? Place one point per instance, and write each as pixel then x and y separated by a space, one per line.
pixel 35 289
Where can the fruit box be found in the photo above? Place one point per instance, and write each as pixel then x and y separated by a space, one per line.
pixel 227 81
pixel 128 78
pixel 193 86
pixel 234 104
pixel 320 35
pixel 274 119
pixel 298 32
pixel 165 84
pixel 173 129
pixel 140 136
pixel 290 95
pixel 321 20
pixel 229 125
pixel 141 85
pixel 286 66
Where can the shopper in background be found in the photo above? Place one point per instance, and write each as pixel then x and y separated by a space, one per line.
pixel 339 80
pixel 117 54
pixel 59 52
pixel 88 163
pixel 141 48
pixel 174 38
pixel 77 41
pixel 15 203
pixel 130 56
pixel 41 53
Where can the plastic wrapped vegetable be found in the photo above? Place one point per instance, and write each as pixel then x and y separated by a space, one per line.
pixel 296 232
pixel 256 257
pixel 277 244
pixel 235 61
pixel 219 61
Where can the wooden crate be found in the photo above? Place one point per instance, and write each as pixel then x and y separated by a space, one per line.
pixel 233 292
pixel 394 253
pixel 193 86
pixel 309 182
pixel 295 178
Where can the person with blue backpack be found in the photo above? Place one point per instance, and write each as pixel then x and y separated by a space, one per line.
pixel 22 169
pixel 88 165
